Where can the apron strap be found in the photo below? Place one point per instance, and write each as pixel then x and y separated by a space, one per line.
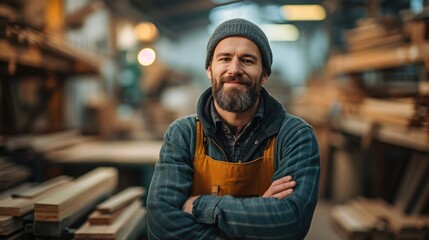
pixel 269 150
pixel 199 146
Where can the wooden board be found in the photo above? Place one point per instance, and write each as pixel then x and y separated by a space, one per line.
pixel 377 59
pixel 422 201
pixel 133 152
pixel 80 187
pixel 11 227
pixel 117 229
pixel 349 222
pixel 43 187
pixel 60 228
pixel 17 206
pixel 107 187
pixel 120 200
pixel 97 218
pixel 415 173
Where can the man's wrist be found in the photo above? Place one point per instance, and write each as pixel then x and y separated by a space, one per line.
pixel 204 209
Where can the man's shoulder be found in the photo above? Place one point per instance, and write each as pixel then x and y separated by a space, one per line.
pixel 293 122
pixel 184 122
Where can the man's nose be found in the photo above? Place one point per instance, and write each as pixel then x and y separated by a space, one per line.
pixel 235 67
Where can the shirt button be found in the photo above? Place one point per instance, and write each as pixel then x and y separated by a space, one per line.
pixel 238 143
pixel 225 130
pixel 256 142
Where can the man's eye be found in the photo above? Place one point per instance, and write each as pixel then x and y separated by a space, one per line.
pixel 248 61
pixel 224 59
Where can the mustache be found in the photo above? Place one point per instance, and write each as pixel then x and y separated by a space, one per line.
pixel 237 79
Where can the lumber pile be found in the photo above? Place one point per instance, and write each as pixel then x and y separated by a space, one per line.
pixel 364 218
pixel 398 112
pixel 17 202
pixel 12 174
pixel 116 218
pixel 74 197
pixel 22 202
pixel 10 224
pixel 43 143
pixel 375 33
pixel 405 218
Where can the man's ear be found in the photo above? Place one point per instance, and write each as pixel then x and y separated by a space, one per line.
pixel 209 72
pixel 264 78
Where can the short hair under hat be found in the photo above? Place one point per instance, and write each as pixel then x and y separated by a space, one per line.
pixel 242 28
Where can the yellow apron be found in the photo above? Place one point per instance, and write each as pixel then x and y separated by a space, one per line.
pixel 216 177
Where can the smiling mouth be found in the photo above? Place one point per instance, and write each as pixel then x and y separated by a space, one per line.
pixel 234 83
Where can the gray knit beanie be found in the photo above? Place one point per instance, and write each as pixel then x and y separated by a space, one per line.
pixel 242 28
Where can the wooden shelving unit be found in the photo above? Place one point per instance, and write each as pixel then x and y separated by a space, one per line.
pixel 378 59
pixel 376 125
pixel 43 55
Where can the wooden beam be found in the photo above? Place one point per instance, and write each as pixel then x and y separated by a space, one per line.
pixel 128 218
pixel 378 59
pixel 120 200
pixel 82 191
pixel 19 206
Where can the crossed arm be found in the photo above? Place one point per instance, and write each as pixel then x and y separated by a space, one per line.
pixel 280 189
pixel 278 214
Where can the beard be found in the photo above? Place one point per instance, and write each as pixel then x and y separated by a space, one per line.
pixel 236 99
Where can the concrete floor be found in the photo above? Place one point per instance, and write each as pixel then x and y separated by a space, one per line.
pixel 322 227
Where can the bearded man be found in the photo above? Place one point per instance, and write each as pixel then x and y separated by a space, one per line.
pixel 242 167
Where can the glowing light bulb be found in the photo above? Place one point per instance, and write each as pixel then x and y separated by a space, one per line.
pixel 146 56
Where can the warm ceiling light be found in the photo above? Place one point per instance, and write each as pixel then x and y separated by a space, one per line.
pixel 146 56
pixel 146 32
pixel 281 32
pixel 303 12
pixel 126 37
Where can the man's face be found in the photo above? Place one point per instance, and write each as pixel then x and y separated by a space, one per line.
pixel 236 73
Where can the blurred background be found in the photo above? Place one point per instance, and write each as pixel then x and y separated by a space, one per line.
pixel 89 83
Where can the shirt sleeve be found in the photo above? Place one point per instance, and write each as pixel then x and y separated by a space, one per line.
pixel 270 218
pixel 169 190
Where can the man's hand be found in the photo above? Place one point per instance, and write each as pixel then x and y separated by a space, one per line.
pixel 280 188
pixel 188 205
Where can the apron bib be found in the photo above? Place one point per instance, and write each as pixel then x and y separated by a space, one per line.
pixel 221 178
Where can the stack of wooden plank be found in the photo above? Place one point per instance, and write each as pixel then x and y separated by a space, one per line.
pixel 74 197
pixel 19 202
pixel 364 218
pixel 10 224
pixel 116 218
pixel 12 174
pixel 406 218
pixel 398 112
pixel 375 33
pixel 64 209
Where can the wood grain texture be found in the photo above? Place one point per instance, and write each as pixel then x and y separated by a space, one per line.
pixel 120 200
pixel 19 206
pixel 116 230
pixel 80 187
pixel 76 196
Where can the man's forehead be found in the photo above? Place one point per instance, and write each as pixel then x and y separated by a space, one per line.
pixel 237 43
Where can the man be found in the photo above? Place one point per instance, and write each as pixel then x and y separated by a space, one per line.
pixel 242 168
